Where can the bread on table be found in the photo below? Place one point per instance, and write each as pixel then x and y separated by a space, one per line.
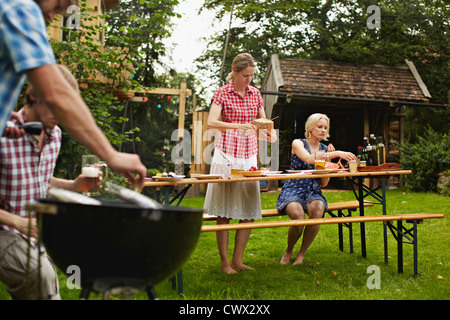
pixel 262 123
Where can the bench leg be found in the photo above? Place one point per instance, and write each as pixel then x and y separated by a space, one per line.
pixel 401 234
pixel 340 229
pixel 350 232
pixel 340 232
pixel 399 247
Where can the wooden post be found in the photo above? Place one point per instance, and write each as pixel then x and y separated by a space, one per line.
pixel 179 168
pixel 182 110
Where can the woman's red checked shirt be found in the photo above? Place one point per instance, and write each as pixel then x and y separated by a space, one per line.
pixel 238 109
pixel 25 171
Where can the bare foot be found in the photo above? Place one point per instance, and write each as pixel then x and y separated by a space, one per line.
pixel 228 270
pixel 299 259
pixel 286 258
pixel 241 267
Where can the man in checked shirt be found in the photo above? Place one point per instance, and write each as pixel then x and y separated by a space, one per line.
pixel 26 170
pixel 25 52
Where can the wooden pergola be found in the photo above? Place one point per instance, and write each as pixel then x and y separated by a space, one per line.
pixel 183 92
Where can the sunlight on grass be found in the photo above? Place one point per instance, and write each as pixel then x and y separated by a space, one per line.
pixel 326 272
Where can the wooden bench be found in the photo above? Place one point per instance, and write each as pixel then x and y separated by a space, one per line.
pixel 398 231
pixel 334 206
pixel 350 206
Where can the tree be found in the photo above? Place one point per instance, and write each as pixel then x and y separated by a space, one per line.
pixel 91 60
pixel 416 30
pixel 141 26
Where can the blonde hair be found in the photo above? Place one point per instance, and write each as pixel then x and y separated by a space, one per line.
pixel 312 122
pixel 240 62
pixel 65 73
pixel 69 77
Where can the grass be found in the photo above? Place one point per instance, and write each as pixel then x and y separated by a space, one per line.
pixel 327 273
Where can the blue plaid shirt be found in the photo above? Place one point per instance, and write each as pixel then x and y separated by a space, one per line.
pixel 24 45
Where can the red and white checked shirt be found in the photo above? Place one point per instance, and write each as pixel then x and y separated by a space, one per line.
pixel 238 109
pixel 25 171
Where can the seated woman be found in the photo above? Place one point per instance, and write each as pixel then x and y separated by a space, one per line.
pixel 302 196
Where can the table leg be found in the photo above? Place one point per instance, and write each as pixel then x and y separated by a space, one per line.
pixel 361 212
pixel 416 270
pixel 383 192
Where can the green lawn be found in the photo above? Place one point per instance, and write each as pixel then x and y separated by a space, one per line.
pixel 327 273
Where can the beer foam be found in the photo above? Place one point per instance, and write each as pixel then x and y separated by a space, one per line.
pixel 90 172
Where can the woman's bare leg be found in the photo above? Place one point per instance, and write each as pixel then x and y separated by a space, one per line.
pixel 315 210
pixel 240 243
pixel 222 242
pixel 295 211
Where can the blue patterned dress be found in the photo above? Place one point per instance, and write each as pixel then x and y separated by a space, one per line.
pixel 303 191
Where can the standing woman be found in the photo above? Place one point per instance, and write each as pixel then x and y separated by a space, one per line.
pixel 300 196
pixel 234 107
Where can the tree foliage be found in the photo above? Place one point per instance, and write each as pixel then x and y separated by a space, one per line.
pixel 416 30
pixel 133 46
pixel 427 158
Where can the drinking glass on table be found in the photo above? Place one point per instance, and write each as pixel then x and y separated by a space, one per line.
pixel 236 168
pixel 319 162
pixel 353 166
pixel 93 169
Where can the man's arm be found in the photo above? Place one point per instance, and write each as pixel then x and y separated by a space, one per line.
pixel 18 223
pixel 74 115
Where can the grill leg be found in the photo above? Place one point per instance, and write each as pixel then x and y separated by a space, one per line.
pixel 85 291
pixel 180 282
pixel 151 293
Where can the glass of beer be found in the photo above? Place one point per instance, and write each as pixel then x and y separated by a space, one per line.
pixel 353 166
pixel 319 164
pixel 93 169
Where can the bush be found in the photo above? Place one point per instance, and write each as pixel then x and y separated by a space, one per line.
pixel 426 158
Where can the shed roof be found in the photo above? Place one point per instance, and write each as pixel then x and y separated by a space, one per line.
pixel 350 80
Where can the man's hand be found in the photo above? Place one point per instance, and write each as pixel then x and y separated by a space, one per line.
pixel 127 165
pixel 22 224
pixel 14 132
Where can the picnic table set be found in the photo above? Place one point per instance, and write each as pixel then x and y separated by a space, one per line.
pixel 98 234
pixel 362 191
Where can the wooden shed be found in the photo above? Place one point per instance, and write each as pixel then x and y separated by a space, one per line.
pixel 359 99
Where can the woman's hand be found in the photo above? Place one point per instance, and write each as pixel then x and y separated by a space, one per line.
pixel 246 128
pixel 266 135
pixel 347 155
pixel 331 148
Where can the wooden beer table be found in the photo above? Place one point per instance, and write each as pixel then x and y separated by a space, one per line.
pixel 363 191
pixel 357 179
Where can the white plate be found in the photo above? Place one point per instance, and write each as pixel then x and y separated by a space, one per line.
pixel 207 176
pixel 297 171
pixel 253 173
pixel 167 178
pixel 321 171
